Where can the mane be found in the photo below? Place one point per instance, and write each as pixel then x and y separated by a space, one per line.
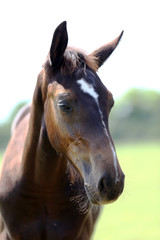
pixel 76 58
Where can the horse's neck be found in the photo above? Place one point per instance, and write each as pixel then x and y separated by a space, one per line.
pixel 46 172
pixel 50 167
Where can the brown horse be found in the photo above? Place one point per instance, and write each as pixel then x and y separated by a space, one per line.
pixel 61 164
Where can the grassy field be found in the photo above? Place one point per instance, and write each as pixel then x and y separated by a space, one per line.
pixel 136 214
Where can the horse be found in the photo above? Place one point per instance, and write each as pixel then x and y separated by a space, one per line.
pixel 61 165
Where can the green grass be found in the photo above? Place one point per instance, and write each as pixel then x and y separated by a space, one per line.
pixel 136 214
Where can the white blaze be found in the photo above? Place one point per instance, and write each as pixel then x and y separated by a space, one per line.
pixel 89 89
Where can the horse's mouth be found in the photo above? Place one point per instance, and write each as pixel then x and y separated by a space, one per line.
pixel 93 198
pixel 97 199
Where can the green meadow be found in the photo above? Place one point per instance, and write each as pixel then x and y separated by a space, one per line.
pixel 136 214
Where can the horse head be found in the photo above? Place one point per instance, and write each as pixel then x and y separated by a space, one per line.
pixel 76 111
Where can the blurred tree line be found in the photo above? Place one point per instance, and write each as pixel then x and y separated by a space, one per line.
pixel 135 117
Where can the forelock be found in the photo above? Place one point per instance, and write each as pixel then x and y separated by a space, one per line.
pixel 75 59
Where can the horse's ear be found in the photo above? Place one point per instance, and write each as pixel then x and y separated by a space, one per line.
pixel 102 53
pixel 58 46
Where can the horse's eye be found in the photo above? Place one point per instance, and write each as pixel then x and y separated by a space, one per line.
pixel 64 106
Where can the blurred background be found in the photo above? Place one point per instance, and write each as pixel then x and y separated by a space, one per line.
pixel 132 74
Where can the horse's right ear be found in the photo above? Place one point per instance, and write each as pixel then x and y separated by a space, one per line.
pixel 58 46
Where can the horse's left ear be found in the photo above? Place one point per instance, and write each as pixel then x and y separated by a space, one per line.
pixel 58 46
pixel 102 53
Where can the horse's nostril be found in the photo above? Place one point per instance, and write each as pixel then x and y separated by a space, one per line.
pixel 105 183
pixel 108 187
pixel 102 185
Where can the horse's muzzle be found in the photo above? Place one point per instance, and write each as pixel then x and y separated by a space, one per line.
pixel 107 190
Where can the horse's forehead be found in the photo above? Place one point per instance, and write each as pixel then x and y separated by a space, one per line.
pixel 92 86
pixel 83 84
pixel 88 88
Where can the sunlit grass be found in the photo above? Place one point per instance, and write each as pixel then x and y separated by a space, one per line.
pixel 136 215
